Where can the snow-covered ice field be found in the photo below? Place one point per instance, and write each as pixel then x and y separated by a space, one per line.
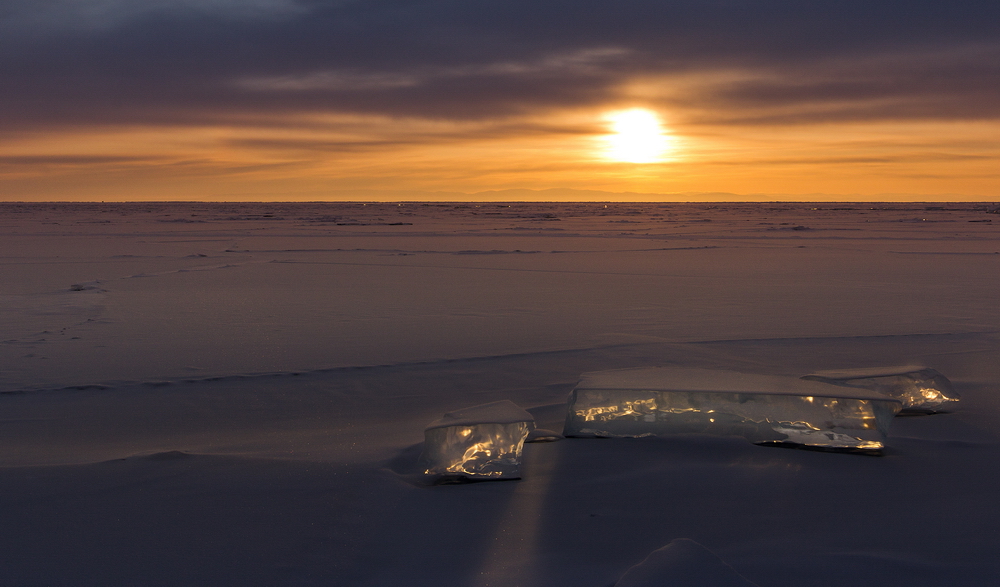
pixel 235 394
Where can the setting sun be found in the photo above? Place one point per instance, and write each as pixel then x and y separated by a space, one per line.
pixel 637 138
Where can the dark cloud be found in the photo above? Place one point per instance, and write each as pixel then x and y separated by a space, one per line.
pixel 957 83
pixel 186 61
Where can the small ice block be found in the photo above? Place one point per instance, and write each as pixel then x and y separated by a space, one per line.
pixel 920 389
pixel 481 442
pixel 763 409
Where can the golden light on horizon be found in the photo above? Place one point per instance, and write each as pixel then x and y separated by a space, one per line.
pixel 638 137
pixel 316 157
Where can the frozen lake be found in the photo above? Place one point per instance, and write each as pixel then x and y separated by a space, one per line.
pixel 235 394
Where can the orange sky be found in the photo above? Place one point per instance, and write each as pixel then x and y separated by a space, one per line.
pixel 563 150
pixel 882 118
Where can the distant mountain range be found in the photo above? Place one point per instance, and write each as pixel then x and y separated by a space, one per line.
pixel 577 195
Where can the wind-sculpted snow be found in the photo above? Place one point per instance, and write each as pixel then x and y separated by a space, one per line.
pixel 682 563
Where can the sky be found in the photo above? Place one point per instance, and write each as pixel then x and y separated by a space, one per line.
pixel 464 99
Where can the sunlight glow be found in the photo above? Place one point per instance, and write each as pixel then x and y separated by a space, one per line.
pixel 637 138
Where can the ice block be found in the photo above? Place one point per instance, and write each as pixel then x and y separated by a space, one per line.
pixel 761 408
pixel 920 389
pixel 481 442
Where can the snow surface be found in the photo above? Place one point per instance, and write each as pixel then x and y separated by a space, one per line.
pixel 237 393
pixel 682 563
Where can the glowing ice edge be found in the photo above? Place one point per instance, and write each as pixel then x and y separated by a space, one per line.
pixel 481 442
pixel 761 408
pixel 919 388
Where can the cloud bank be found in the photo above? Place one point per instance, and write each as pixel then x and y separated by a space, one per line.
pixel 754 62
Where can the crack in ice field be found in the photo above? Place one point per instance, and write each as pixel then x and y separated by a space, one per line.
pixel 186 270
pixel 470 252
pixel 937 336
pixel 475 268
pixel 158 382
pixel 943 253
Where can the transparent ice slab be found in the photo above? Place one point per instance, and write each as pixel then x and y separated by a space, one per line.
pixel 481 442
pixel 921 390
pixel 763 409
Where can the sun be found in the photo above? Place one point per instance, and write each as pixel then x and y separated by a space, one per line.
pixel 638 137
